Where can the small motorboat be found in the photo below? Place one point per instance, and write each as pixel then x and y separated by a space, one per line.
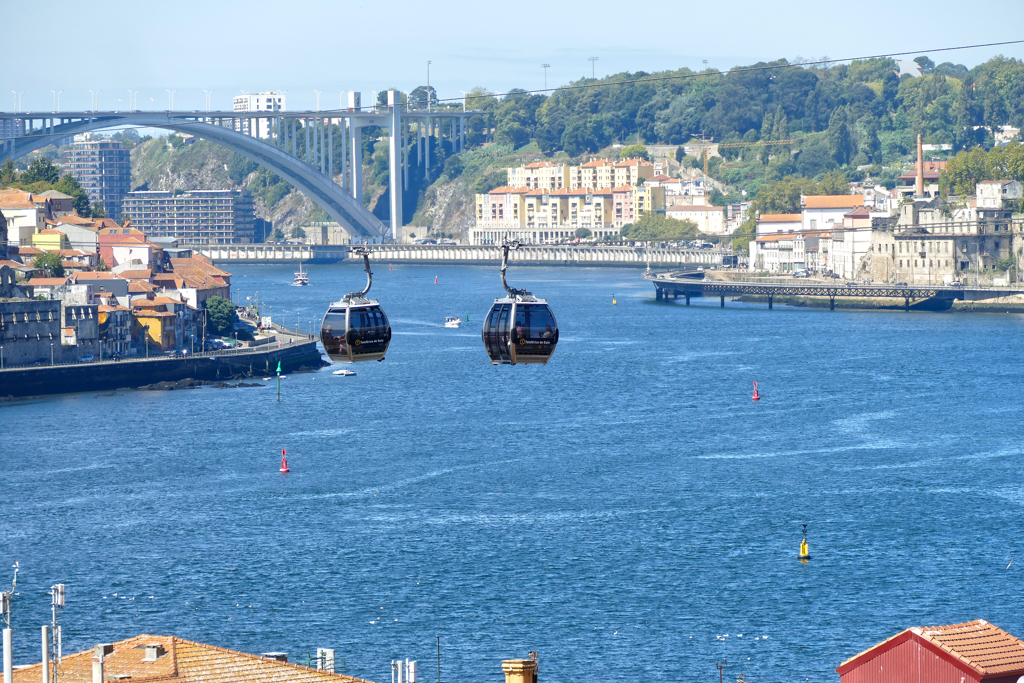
pixel 452 321
pixel 344 372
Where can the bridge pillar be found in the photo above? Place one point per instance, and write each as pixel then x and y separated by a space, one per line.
pixel 395 163
pixel 723 301
pixel 657 293
pixel 906 304
pixel 426 152
pixel 832 303
pixel 770 297
pixel 687 298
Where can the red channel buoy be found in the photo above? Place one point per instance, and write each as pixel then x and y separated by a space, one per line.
pixel 756 396
pixel 284 463
pixel 389 267
pixel 435 279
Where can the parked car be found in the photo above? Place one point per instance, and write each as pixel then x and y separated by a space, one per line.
pixel 801 273
pixel 88 358
pixel 851 284
pixel 956 283
pixel 902 284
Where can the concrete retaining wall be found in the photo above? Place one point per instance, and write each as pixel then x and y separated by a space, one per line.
pixel 63 379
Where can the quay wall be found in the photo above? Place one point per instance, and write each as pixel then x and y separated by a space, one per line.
pixel 109 375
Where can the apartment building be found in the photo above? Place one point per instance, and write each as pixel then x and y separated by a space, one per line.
pixel 104 170
pixel 599 173
pixel 194 218
pixel 259 102
pixel 540 175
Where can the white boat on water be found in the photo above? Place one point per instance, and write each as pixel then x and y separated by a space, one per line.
pixel 301 277
pixel 452 321
pixel 344 372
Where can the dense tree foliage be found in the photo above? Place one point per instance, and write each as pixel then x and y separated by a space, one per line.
pixel 968 168
pixel 51 261
pixel 783 196
pixel 652 226
pixel 220 316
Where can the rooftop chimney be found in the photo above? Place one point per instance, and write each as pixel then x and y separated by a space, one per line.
pixel 97 670
pixel 520 670
pixel 919 186
pixel 278 656
pixel 153 652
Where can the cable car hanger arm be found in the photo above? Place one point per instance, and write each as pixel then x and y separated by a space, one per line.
pixel 365 253
pixel 512 291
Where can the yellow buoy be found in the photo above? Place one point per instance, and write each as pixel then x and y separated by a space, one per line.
pixel 614 302
pixel 805 554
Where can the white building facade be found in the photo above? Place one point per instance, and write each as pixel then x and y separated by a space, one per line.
pixel 259 102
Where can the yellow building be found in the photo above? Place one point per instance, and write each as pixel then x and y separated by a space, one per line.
pixel 50 240
pixel 542 175
pixel 162 321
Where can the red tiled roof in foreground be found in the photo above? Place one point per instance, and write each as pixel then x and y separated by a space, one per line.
pixel 978 645
pixel 183 661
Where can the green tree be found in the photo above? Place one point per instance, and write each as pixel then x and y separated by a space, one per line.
pixel 833 182
pixel 963 172
pixel 98 211
pixel 8 173
pixel 298 233
pixel 71 187
pixel 583 233
pixel 51 261
pixel 41 170
pixel 653 226
pixel 840 142
pixel 220 315
pixel 634 152
pixel 276 234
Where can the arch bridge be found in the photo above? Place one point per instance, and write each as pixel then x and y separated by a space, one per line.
pixel 270 139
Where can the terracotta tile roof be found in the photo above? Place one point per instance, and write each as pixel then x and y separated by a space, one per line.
pixel 46 281
pixel 93 275
pixel 77 220
pixel 166 301
pixel 131 242
pixel 145 303
pixel 779 218
pixel 15 265
pixel 979 645
pixel 195 263
pixel 51 231
pixel 602 190
pixel 833 201
pixel 623 188
pixel 135 274
pixel 109 223
pixel 995 182
pixel 26 251
pixel 540 164
pixel 155 314
pixel 16 204
pixel 183 661
pixel 505 189
pixel 661 177
pixel 140 287
pixel 73 252
pixel 539 192
pixel 859 212
pixel 72 264
pixel 596 163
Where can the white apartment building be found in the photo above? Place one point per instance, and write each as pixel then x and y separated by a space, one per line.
pixel 710 220
pixel 259 102
pixel 542 175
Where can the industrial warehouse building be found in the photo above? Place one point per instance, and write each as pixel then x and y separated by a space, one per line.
pixel 959 653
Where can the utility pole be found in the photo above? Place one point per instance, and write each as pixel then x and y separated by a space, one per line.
pixel 428 85
pixel 593 71
pixel 545 67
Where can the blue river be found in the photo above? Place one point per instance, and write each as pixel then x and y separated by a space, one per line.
pixel 627 510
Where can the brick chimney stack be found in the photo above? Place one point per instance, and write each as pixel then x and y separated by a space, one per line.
pixel 919 186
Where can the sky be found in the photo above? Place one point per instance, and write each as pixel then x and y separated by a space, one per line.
pixel 301 46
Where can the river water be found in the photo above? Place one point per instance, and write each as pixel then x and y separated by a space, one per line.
pixel 619 510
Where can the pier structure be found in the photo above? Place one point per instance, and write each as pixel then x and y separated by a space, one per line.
pixel 672 285
pixel 549 255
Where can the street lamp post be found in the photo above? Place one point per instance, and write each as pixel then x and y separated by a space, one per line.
pixel 545 67
pixel 51 353
pixel 56 101
pixel 170 99
pixel 593 67
pixel 1 358
pixel 318 99
pixel 428 84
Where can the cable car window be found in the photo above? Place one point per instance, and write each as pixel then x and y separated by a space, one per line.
pixel 496 332
pixel 333 335
pixel 534 321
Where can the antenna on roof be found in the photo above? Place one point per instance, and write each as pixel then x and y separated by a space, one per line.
pixel 57 607
pixel 7 598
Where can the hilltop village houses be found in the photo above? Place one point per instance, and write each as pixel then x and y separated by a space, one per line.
pixel 546 202
pixel 123 293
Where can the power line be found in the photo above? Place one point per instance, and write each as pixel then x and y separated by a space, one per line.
pixel 632 81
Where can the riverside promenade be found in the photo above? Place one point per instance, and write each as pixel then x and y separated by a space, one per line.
pixel 293 350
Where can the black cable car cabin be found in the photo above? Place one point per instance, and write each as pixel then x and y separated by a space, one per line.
pixel 356 329
pixel 519 328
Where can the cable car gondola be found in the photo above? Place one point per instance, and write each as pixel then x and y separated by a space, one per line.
pixel 519 328
pixel 355 329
